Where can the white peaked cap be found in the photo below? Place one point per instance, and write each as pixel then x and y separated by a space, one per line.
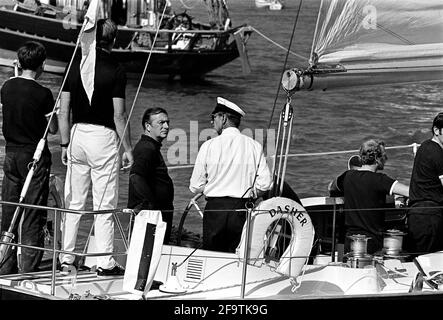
pixel 228 106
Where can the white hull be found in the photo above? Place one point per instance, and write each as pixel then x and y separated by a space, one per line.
pixel 221 276
pixel 210 275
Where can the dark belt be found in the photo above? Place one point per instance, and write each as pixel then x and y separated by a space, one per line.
pixel 432 203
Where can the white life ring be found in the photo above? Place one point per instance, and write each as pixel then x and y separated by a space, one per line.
pixel 302 235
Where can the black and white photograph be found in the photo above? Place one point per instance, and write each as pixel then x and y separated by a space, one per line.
pixel 222 158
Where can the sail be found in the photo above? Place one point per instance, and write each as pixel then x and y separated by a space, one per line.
pixel 379 41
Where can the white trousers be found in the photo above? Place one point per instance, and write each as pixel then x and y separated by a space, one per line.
pixel 92 156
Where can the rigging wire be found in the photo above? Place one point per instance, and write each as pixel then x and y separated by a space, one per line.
pixel 275 101
pixel 128 118
pixel 136 96
pixel 285 63
pixel 312 154
pixel 279 45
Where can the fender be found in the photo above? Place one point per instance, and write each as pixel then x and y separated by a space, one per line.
pixel 302 235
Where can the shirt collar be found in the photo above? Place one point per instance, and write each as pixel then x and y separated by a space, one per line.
pixel 145 137
pixel 231 130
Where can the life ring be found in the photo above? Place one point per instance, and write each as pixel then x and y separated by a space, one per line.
pixel 266 214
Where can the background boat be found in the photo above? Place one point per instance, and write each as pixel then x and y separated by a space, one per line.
pixel 184 47
pixel 271 4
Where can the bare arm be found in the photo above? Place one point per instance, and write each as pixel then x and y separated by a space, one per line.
pixel 63 123
pixel 401 189
pixel 332 186
pixel 53 125
pixel 120 119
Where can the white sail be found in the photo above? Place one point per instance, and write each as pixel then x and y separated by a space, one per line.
pixel 378 41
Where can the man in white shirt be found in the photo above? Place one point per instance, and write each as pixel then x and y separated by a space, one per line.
pixel 229 170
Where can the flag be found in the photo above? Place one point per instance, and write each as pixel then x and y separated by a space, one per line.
pixel 88 43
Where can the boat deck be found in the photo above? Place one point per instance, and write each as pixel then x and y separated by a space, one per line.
pixel 85 285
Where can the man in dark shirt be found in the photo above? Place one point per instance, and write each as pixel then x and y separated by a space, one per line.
pixel 90 148
pixel 26 107
pixel 150 186
pixel 425 217
pixel 365 191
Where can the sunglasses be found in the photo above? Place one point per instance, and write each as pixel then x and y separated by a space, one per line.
pixel 213 116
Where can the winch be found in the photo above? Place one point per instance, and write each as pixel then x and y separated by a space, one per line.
pixel 392 245
pixel 358 257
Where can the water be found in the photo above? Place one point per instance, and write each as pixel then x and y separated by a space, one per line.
pixel 324 121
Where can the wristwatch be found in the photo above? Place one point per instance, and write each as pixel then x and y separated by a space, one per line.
pixel 64 145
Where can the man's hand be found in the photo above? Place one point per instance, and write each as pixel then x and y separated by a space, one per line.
pixel 64 156
pixel 127 160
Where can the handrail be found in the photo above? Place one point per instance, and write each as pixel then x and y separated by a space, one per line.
pixel 56 251
pixel 34 206
pixel 95 254
pixel 414 147
pixel 221 32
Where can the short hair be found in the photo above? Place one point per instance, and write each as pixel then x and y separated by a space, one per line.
pixel 371 150
pixel 233 119
pixel 106 32
pixel 150 112
pixel 438 122
pixel 31 55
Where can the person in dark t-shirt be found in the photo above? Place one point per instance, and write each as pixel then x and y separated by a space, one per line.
pixel 26 109
pixel 150 186
pixel 365 191
pixel 425 216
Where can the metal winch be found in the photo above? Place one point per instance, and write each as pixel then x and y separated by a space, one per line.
pixel 392 244
pixel 359 257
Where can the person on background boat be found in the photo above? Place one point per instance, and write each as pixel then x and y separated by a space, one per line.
pixel 425 215
pixel 26 107
pixel 229 170
pixel 90 148
pixel 365 192
pixel 150 186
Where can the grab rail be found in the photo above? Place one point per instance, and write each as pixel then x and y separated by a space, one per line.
pixel 414 147
pixel 54 249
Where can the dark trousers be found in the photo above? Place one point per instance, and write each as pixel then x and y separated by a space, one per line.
pixel 15 171
pixel 140 196
pixel 425 228
pixel 222 225
pixel 167 215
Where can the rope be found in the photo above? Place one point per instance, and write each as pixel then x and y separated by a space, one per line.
pixel 129 117
pixel 279 45
pixel 312 154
